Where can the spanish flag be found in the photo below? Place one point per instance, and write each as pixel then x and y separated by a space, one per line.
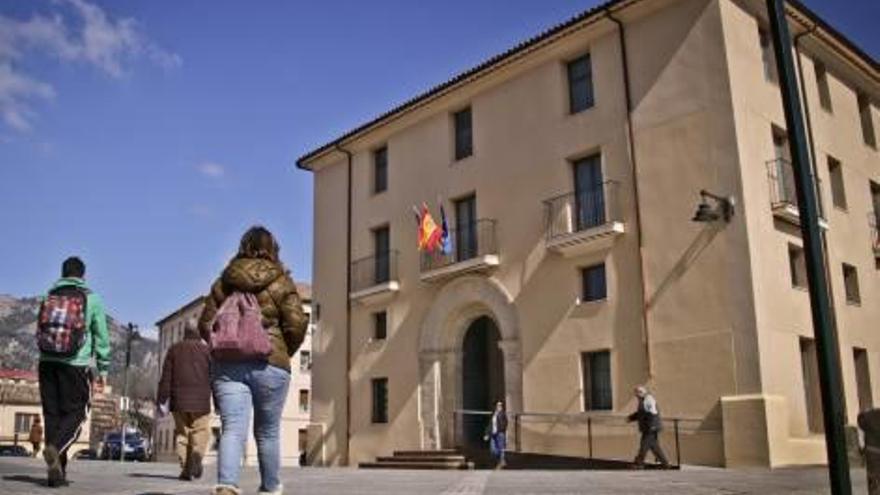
pixel 429 233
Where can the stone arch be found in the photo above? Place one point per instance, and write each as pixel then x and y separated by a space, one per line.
pixel 459 303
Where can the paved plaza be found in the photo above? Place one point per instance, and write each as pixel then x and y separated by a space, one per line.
pixel 26 476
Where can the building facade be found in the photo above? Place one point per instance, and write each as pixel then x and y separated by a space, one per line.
pixel 570 168
pixel 294 419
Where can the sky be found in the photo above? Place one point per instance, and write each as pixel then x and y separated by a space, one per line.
pixel 146 136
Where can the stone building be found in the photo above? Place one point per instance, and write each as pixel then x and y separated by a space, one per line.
pixel 294 419
pixel 571 166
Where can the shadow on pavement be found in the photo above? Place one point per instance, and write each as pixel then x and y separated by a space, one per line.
pixel 23 478
pixel 154 476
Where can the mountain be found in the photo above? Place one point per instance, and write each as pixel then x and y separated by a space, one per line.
pixel 18 350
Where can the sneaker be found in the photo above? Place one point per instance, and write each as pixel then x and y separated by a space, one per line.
pixel 226 490
pixel 277 491
pixel 55 473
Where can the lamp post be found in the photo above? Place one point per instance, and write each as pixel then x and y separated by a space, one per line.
pixel 130 336
pixel 826 336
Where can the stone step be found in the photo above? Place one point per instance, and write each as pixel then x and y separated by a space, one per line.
pixel 422 458
pixel 428 453
pixel 417 465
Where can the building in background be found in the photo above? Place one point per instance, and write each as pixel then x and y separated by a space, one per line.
pixel 20 403
pixel 570 167
pixel 295 417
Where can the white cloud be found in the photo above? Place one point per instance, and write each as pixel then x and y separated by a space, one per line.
pixel 75 31
pixel 212 170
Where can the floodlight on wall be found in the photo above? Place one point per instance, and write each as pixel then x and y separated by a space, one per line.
pixel 722 209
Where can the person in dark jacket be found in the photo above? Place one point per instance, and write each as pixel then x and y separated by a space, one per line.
pixel 496 434
pixel 185 388
pixel 648 417
pixel 256 385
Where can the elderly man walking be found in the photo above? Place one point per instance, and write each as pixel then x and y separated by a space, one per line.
pixel 648 417
pixel 185 386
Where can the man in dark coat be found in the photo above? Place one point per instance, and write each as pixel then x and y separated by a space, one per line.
pixel 648 417
pixel 185 388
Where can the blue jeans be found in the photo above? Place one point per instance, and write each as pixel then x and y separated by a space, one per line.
pixel 239 387
pixel 498 444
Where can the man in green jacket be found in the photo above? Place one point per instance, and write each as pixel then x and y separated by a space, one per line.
pixel 72 328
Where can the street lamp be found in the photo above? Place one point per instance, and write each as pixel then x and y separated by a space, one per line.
pixel 131 335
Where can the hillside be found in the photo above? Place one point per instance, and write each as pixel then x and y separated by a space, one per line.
pixel 18 350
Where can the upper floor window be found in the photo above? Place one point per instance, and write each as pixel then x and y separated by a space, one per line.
pixel 838 193
pixel 851 284
pixel 797 266
pixel 304 400
pixel 305 361
pixel 867 120
pixel 580 84
pixel 382 253
pixel 464 135
pixel 380 325
pixel 594 286
pixel 767 57
pixel 380 170
pixel 822 85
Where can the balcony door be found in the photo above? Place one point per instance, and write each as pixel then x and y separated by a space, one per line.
pixel 382 250
pixel 466 228
pixel 589 197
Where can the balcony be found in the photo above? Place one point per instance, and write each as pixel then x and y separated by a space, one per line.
pixel 783 196
pixel 873 223
pixel 374 279
pixel 584 222
pixel 473 249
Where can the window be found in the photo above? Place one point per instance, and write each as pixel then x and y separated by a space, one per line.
pixel 867 120
pixel 822 84
pixel 838 193
pixel 596 370
pixel 380 170
pixel 594 286
pixel 464 138
pixel 851 284
pixel 23 422
pixel 380 400
pixel 589 195
pixel 863 379
pixel 380 325
pixel 304 400
pixel 382 251
pixel 580 84
pixel 466 228
pixel 810 374
pixel 303 439
pixel 305 361
pixel 798 266
pixel 767 56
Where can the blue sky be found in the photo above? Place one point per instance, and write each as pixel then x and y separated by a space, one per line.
pixel 146 136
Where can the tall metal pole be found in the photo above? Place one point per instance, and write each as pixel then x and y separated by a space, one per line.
pixel 124 406
pixel 826 338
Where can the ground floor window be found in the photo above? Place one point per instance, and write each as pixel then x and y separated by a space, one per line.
pixel 596 375
pixel 380 400
pixel 23 422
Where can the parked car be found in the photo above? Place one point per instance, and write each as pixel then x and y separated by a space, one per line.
pixel 13 451
pixel 135 447
pixel 86 454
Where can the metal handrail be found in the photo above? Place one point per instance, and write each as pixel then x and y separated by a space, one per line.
pixel 373 270
pixel 782 191
pixel 577 211
pixel 468 241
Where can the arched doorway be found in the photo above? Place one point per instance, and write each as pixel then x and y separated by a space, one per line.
pixel 482 377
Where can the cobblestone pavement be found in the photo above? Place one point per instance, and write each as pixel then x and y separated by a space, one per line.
pixel 26 476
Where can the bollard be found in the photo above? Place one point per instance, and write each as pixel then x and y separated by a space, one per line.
pixel 869 422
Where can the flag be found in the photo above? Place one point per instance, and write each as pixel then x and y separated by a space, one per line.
pixel 445 239
pixel 429 234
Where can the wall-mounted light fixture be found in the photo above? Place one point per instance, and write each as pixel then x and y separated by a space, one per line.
pixel 722 210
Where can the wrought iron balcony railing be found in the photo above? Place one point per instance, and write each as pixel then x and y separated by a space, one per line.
pixel 582 210
pixel 783 194
pixel 470 241
pixel 371 271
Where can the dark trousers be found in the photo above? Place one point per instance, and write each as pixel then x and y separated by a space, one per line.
pixel 66 395
pixel 650 442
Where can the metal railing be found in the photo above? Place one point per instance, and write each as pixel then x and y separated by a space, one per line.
pixel 595 430
pixel 782 189
pixel 466 242
pixel 373 270
pixel 582 210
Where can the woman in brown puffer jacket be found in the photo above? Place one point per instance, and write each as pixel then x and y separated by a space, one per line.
pixel 261 384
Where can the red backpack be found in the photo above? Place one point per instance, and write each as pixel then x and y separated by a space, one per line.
pixel 237 333
pixel 61 324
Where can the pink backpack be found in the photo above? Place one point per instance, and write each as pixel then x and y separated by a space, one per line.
pixel 237 333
